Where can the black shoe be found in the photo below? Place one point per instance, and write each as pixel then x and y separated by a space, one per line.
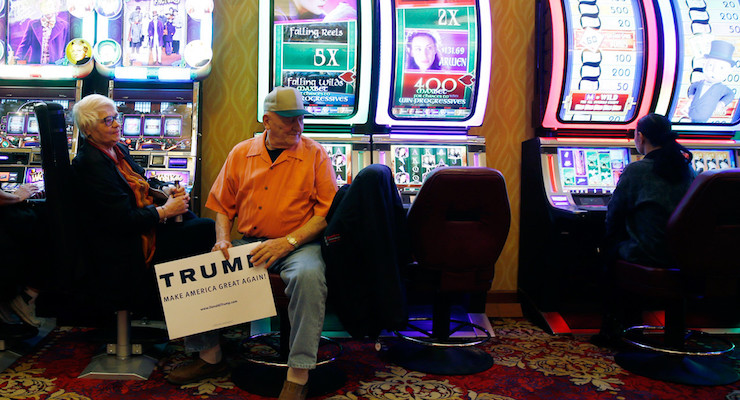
pixel 197 370
pixel 17 331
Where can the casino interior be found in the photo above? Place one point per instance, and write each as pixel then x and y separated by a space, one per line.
pixel 530 112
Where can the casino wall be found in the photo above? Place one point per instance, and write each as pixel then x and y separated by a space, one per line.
pixel 229 110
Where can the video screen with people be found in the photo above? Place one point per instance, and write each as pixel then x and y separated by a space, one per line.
pixel 315 50
pixel 707 78
pixel 155 33
pixel 45 32
pixel 591 169
pixel 436 59
pixel 412 164
pixel 710 159
pixel 606 57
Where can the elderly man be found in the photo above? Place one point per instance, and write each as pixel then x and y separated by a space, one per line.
pixel 280 185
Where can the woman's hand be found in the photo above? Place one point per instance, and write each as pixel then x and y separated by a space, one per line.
pixel 176 191
pixel 176 204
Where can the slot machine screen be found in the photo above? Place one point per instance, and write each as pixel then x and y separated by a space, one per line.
pixel 34 175
pixel 606 54
pixel 412 163
pixel 168 176
pixel 123 49
pixel 591 169
pixel 339 154
pixel 709 159
pixel 158 126
pixel 16 123
pixel 172 126
pixel 599 64
pixel 19 127
pixel 707 74
pixel 131 125
pixel 32 125
pixel 436 54
pixel 317 52
pixel 3 33
pixel 153 125
pixel 11 177
pixel 177 162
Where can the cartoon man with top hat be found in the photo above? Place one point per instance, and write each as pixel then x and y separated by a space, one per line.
pixel 709 96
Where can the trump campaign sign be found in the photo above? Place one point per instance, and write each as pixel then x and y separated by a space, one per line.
pixel 207 292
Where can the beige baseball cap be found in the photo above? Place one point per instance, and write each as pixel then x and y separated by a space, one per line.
pixel 285 102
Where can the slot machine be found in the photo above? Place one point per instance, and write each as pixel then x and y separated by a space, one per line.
pixel 154 56
pixel 33 69
pixel 596 74
pixel 701 78
pixel 437 62
pixel 326 53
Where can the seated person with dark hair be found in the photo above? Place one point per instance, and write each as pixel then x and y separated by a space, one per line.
pixel 646 195
pixel 129 232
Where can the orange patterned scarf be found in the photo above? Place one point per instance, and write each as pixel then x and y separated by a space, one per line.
pixel 141 192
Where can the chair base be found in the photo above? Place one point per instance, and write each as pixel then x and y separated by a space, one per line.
pixel 440 360
pixel 133 368
pixel 329 350
pixel 694 342
pixel 427 338
pixel 698 371
pixel 267 381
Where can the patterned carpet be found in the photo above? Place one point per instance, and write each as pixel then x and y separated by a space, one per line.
pixel 528 364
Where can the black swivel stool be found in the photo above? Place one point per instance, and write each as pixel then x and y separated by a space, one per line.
pixel 266 356
pixel 458 225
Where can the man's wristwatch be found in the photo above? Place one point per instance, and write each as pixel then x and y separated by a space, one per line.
pixel 292 241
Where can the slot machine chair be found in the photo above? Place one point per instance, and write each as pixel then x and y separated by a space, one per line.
pixel 264 372
pixel 458 225
pixel 60 183
pixel 679 355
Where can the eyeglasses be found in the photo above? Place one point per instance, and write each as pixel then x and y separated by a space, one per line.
pixel 108 121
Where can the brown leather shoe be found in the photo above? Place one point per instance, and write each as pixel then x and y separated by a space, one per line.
pixel 196 371
pixel 293 391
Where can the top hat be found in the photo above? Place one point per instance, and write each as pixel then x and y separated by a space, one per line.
pixel 721 50
pixel 285 102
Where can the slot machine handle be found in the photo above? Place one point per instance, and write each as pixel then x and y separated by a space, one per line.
pixel 178 218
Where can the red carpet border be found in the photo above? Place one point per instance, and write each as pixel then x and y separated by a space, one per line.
pixel 529 364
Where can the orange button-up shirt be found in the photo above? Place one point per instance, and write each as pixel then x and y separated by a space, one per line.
pixel 273 199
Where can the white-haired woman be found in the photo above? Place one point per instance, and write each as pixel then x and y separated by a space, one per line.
pixel 127 232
